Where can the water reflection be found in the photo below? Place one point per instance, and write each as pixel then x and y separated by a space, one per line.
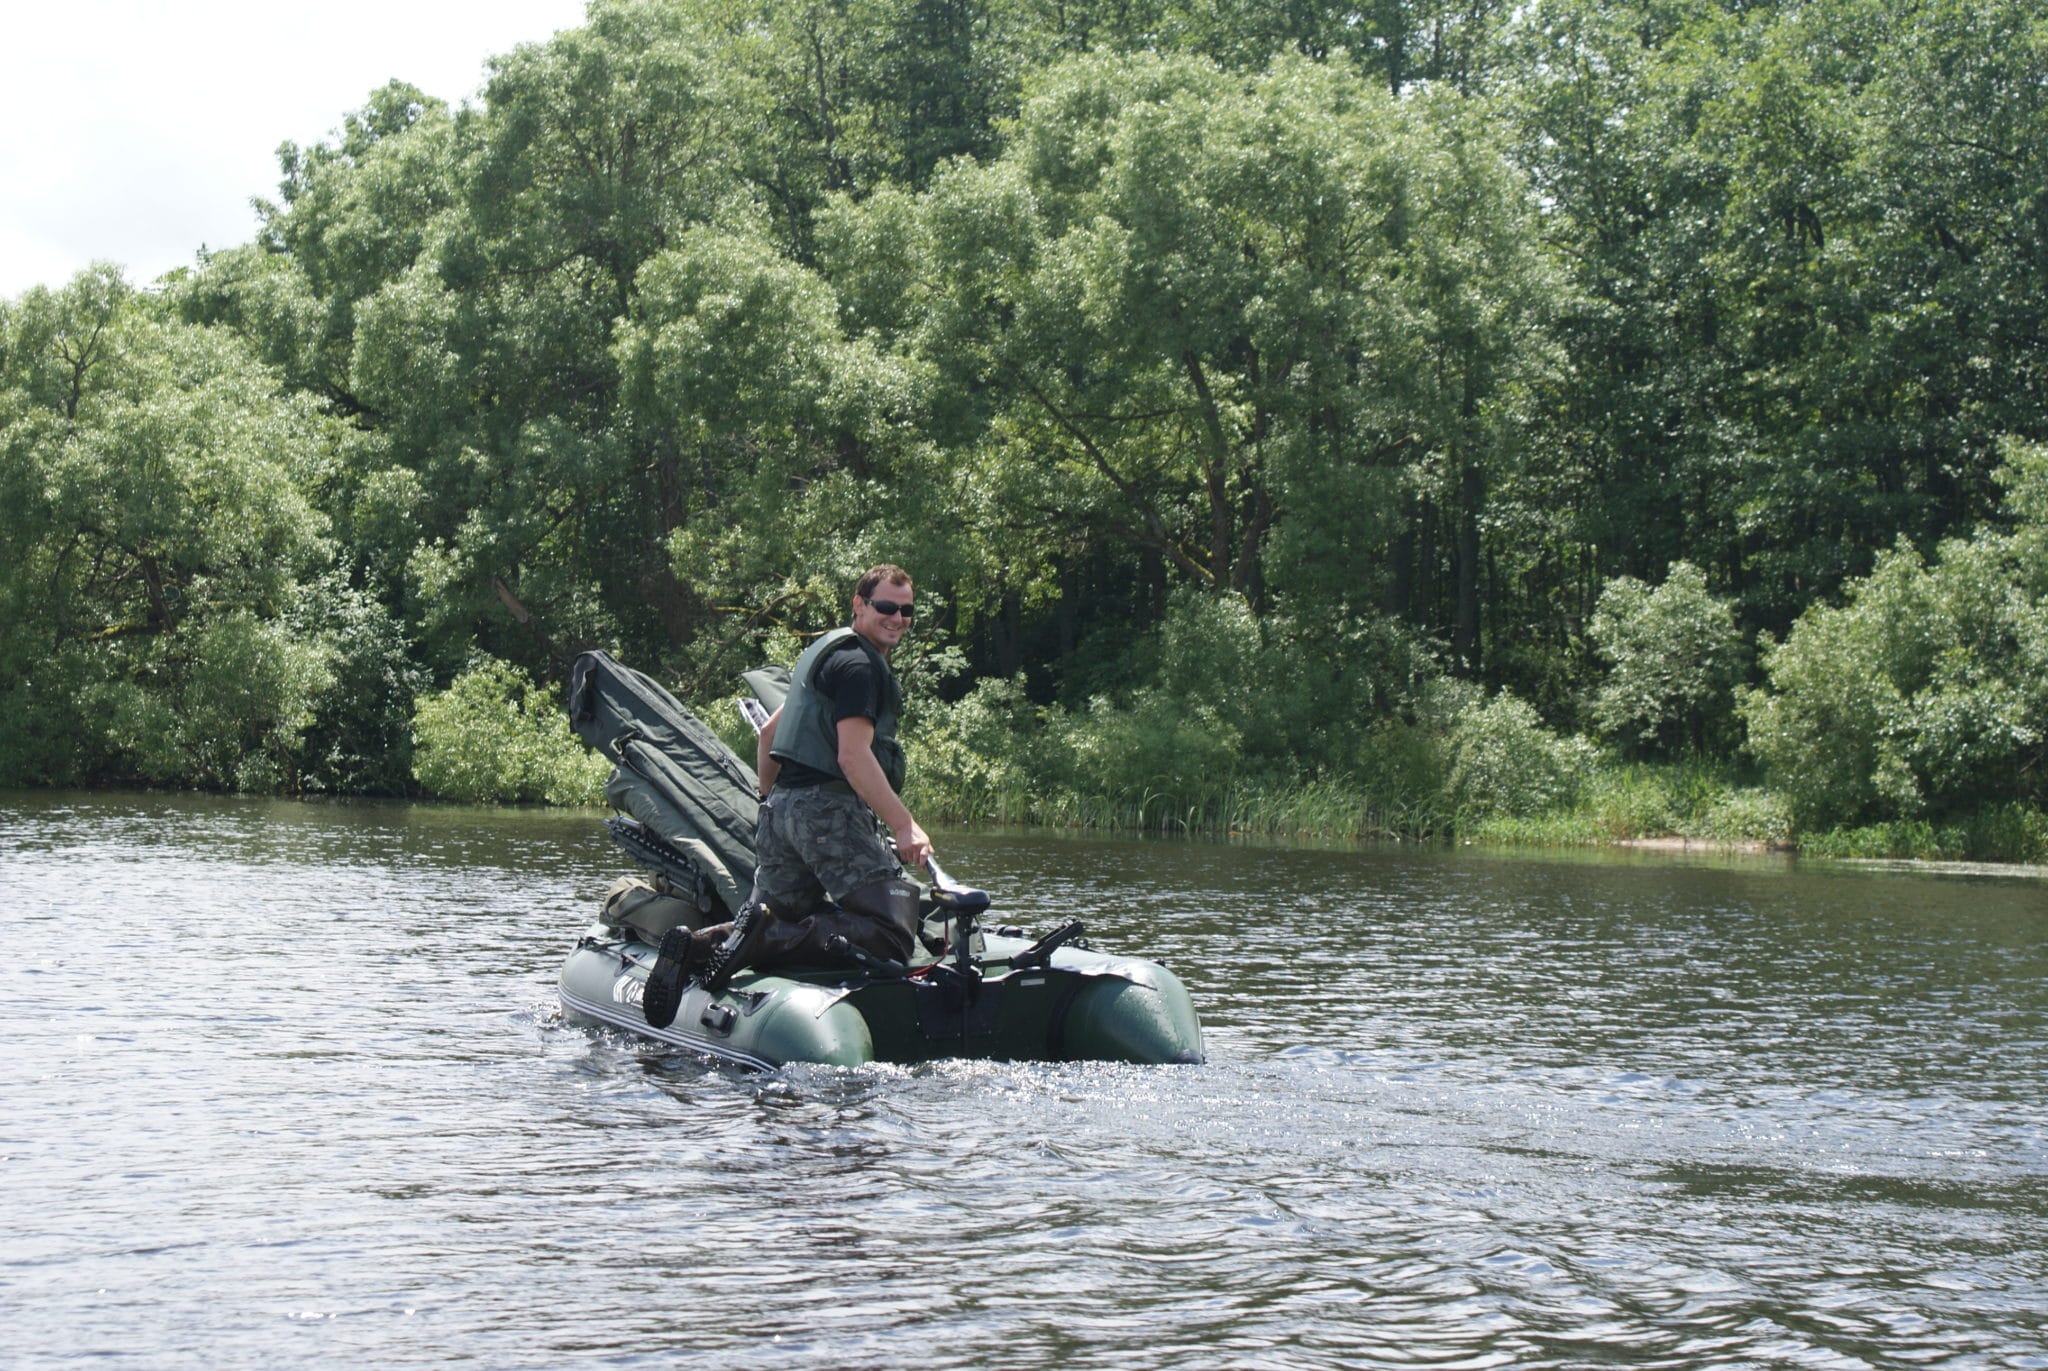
pixel 286 1083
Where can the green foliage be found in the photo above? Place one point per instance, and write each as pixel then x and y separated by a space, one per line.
pixel 1997 833
pixel 1505 763
pixel 602 144
pixel 1235 724
pixel 1632 802
pixel 1749 814
pixel 359 739
pixel 1184 735
pixel 493 737
pixel 1673 659
pixel 1404 770
pixel 974 754
pixel 1691 799
pixel 1924 692
pixel 1225 374
pixel 1215 316
pixel 158 523
pixel 222 705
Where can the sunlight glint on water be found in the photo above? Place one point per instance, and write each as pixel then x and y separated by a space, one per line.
pixel 285 1084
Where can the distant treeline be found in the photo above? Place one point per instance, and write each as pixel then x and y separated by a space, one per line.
pixel 1410 417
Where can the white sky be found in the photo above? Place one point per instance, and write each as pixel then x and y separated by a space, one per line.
pixel 136 131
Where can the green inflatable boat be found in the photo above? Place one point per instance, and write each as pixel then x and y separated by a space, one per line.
pixel 976 988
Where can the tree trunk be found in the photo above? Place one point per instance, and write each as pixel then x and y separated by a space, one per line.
pixel 1399 592
pixel 1465 630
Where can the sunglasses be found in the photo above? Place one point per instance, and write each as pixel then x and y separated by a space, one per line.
pixel 887 608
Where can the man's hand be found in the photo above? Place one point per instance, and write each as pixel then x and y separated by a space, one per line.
pixel 767 766
pixel 912 845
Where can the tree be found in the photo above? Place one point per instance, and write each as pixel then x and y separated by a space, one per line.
pixel 1799 235
pixel 156 529
pixel 780 445
pixel 1188 308
pixel 1673 662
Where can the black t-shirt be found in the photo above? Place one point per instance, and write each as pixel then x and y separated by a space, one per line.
pixel 849 680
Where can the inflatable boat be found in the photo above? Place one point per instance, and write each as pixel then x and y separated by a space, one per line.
pixel 975 987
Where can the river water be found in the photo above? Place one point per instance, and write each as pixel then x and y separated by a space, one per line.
pixel 285 1085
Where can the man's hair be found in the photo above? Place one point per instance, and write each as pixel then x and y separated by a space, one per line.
pixel 887 574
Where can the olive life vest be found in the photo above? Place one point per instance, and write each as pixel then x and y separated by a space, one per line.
pixel 806 732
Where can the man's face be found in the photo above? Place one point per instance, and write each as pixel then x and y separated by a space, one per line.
pixel 883 630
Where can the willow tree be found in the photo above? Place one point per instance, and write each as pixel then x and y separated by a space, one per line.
pixel 159 550
pixel 790 456
pixel 1239 324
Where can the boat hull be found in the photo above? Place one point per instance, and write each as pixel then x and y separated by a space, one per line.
pixel 1080 1006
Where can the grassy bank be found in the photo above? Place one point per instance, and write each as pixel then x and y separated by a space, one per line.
pixel 1623 804
pixel 1491 774
pixel 1318 809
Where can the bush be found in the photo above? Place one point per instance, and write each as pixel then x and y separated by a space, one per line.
pixel 972 757
pixel 1181 739
pixel 221 706
pixel 1926 692
pixel 44 738
pixel 1674 655
pixel 1997 833
pixel 1505 763
pixel 1631 802
pixel 360 740
pixel 495 737
pixel 1158 752
pixel 1404 766
pixel 1923 694
pixel 1748 815
pixel 1235 724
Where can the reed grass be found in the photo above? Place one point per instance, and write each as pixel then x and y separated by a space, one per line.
pixel 1689 800
pixel 1997 833
pixel 1315 809
pixel 1697 801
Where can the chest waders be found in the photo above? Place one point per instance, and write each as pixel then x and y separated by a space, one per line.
pixel 881 917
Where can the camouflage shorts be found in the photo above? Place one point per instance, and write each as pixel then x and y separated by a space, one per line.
pixel 817 842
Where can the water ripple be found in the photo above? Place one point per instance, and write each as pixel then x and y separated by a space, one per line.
pixel 286 1084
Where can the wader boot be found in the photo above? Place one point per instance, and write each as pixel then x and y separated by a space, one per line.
pixel 682 953
pixel 741 948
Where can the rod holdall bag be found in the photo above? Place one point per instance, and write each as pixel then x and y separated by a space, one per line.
pixel 671 773
pixel 650 909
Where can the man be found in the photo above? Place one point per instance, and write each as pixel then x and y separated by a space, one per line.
pixel 829 767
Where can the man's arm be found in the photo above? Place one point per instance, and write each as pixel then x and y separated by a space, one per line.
pixel 857 763
pixel 766 764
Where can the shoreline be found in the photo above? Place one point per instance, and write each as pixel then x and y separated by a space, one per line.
pixel 1746 846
